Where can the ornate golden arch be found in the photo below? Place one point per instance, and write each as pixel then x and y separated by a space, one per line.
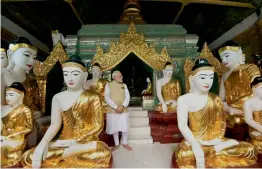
pixel 131 42
pixel 207 54
pixel 41 70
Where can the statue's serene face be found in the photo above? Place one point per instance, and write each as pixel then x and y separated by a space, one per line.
pixel 24 58
pixel 257 91
pixel 4 60
pixel 96 71
pixel 168 71
pixel 12 97
pixel 231 58
pixel 74 77
pixel 203 80
pixel 148 80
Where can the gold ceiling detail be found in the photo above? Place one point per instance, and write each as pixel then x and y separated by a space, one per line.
pixel 131 42
pixel 206 54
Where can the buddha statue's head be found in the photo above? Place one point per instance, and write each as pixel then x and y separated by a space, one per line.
pixel 231 54
pixel 256 86
pixel 202 76
pixel 148 80
pixel 22 54
pixel 117 76
pixel 75 72
pixel 168 70
pixel 15 94
pixel 4 59
pixel 96 70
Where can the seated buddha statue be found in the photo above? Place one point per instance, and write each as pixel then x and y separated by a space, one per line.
pixel 17 123
pixel 97 83
pixel 77 113
pixel 168 90
pixel 202 122
pixel 235 83
pixel 148 91
pixel 22 57
pixel 253 114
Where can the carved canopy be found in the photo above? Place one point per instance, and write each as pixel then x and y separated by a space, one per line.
pixel 207 54
pixel 131 42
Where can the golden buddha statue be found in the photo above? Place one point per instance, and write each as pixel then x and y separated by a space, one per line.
pixel 168 90
pixel 22 58
pixel 97 83
pixel 17 123
pixel 148 91
pixel 235 83
pixel 202 122
pixel 253 114
pixel 79 113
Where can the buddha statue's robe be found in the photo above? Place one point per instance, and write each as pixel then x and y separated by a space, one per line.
pixel 207 124
pixel 17 124
pixel 256 140
pixel 32 99
pixel 82 122
pixel 238 90
pixel 170 91
pixel 99 87
pixel 148 90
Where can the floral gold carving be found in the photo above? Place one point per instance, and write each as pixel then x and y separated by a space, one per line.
pixel 41 70
pixel 206 54
pixel 131 42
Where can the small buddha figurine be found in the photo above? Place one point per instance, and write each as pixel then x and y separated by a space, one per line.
pixel 78 113
pixel 253 114
pixel 148 90
pixel 235 83
pixel 97 83
pixel 4 59
pixel 22 58
pixel 17 123
pixel 202 122
pixel 168 90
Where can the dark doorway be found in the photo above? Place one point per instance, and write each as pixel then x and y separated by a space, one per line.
pixel 135 72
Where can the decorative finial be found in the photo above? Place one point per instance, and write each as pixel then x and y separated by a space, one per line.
pixel 131 28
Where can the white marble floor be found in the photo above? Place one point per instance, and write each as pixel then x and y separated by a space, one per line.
pixel 144 156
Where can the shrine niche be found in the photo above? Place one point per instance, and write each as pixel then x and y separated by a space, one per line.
pixel 206 54
pixel 49 76
pixel 131 42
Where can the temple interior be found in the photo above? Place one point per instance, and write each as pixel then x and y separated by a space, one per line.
pixel 178 81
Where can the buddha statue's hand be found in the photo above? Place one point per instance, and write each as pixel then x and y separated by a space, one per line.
pixel 64 143
pixel 199 155
pixel 3 138
pixel 234 111
pixel 174 103
pixel 39 155
pixel 225 144
pixel 164 107
pixel 11 143
pixel 211 142
pixel 257 135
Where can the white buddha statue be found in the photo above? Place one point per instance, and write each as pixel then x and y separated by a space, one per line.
pixel 202 122
pixel 4 59
pixel 78 113
pixel 22 58
pixel 234 94
pixel 168 90
pixel 253 114
pixel 17 123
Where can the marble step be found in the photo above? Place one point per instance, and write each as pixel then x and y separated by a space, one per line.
pixel 139 130
pixel 138 113
pixel 140 139
pixel 138 121
pixel 135 108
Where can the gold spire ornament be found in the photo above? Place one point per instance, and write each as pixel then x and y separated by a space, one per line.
pixel 131 42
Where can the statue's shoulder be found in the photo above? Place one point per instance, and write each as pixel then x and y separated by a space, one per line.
pixel 185 98
pixel 215 97
pixel 104 81
pixel 250 69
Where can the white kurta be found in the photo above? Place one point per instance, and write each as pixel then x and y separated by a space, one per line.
pixel 116 122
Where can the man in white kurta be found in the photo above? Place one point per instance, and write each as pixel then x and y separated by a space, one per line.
pixel 117 97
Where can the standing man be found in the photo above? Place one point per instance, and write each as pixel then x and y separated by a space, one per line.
pixel 117 97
